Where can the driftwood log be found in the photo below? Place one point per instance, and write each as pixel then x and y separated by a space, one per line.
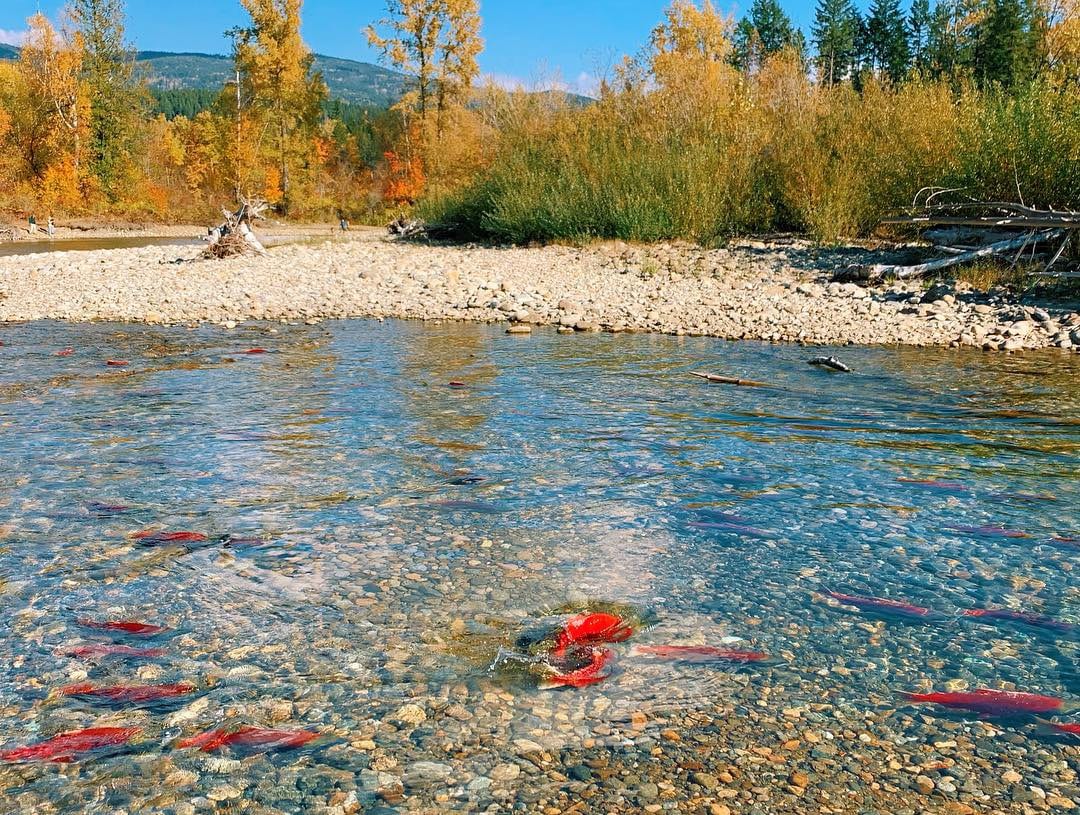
pixel 406 227
pixel 1019 242
pixel 414 228
pixel 969 230
pixel 235 236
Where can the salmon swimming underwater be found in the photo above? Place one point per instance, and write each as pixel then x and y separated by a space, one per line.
pixel 253 739
pixel 151 537
pixel 66 747
pixel 451 505
pixel 597 669
pixel 698 653
pixel 988 531
pixel 1027 618
pixel 881 605
pixel 991 702
pixel 100 508
pixel 132 627
pixel 134 695
pixel 1067 728
pixel 97 651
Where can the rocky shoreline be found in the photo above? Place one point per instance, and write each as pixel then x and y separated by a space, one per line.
pixel 776 292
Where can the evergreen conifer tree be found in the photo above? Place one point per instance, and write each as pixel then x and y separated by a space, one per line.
pixel 833 34
pixel 117 99
pixel 764 32
pixel 887 39
pixel 919 33
pixel 1004 46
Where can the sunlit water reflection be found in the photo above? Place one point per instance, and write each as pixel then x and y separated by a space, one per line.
pixel 388 532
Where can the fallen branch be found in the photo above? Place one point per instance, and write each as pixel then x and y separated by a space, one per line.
pixel 730 380
pixel 878 271
pixel 1045 221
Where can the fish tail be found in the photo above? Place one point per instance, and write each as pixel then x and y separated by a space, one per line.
pixel 206 742
pixel 914 697
pixel 1045 727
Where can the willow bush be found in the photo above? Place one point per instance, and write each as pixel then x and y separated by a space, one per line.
pixel 728 154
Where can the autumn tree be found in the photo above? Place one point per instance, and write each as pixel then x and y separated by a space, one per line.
pixel 692 40
pixel 1061 41
pixel 281 88
pixel 118 100
pixel 45 116
pixel 437 44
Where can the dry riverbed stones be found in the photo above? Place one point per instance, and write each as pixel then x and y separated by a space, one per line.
pixel 751 290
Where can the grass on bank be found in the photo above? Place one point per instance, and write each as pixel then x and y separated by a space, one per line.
pixel 733 155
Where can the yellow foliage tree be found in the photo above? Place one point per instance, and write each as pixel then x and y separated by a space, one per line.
pixel 437 42
pixel 283 91
pixel 45 117
pixel 1062 41
pixel 691 41
pixel 51 67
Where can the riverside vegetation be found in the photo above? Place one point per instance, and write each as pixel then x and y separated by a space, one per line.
pixel 714 130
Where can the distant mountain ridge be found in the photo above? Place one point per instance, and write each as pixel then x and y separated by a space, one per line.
pixel 360 83
pixel 348 80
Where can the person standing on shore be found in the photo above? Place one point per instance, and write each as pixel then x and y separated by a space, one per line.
pixel 51 229
pixel 33 224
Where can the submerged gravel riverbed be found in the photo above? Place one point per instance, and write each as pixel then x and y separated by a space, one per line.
pixel 365 536
pixel 749 291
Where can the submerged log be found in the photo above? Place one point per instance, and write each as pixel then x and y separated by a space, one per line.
pixel 730 380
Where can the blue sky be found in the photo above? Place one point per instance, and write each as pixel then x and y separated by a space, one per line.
pixel 528 40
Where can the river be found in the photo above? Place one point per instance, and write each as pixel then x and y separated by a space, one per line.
pixel 379 510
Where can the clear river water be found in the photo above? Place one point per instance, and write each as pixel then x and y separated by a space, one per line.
pixel 382 515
